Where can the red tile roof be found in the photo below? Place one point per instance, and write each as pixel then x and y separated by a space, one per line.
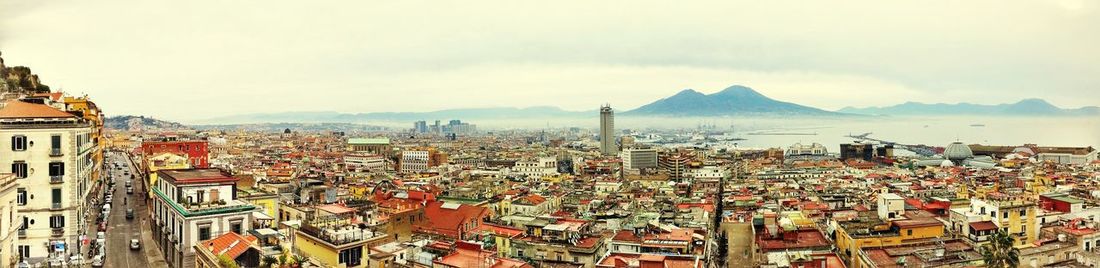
pixel 19 109
pixel 449 221
pixel 983 226
pixel 471 255
pixel 231 244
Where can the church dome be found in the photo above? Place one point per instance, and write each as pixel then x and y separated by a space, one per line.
pixel 957 151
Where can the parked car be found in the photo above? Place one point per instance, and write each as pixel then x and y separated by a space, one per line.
pixel 97 261
pixel 134 244
pixel 103 226
pixel 129 190
pixel 129 213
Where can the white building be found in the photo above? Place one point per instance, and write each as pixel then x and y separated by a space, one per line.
pixel 50 153
pixel 539 167
pixel 638 158
pixel 709 172
pixel 9 213
pixel 815 149
pixel 414 161
pixel 194 205
pixel 1077 157
pixel 364 163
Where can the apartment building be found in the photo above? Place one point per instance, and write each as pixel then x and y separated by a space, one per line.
pixel 193 205
pixel 50 152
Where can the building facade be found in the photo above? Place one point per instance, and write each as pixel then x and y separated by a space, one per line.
pixel 607 131
pixel 194 205
pixel 50 152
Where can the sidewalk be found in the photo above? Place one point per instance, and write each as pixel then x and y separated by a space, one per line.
pixel 149 248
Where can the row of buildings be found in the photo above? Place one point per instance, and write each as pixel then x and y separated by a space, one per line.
pixel 52 165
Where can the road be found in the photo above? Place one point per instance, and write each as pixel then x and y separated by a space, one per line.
pixel 119 229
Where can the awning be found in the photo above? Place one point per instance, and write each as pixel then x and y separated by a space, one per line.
pixel 59 246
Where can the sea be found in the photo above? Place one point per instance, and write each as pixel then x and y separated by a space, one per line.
pixel 769 132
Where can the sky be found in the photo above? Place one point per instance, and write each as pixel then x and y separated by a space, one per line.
pixel 193 60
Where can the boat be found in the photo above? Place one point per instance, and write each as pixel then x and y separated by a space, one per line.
pixel 977 125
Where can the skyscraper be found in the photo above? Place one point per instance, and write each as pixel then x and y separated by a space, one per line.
pixel 607 131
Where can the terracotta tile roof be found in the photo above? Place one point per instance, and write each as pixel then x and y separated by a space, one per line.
pixel 447 220
pixel 983 226
pixel 19 109
pixel 231 244
pixel 335 208
pixel 471 255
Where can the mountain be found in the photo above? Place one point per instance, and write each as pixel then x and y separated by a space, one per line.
pixel 734 100
pixel 1022 107
pixel 462 114
pixel 138 123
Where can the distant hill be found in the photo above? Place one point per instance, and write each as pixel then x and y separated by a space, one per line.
pixel 462 114
pixel 734 100
pixel 1024 107
pixel 135 123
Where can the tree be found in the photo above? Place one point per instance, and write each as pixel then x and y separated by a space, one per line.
pixel 268 261
pixel 226 262
pixel 1000 253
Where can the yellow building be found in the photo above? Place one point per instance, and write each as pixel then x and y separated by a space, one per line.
pixel 267 201
pixel 868 230
pixel 163 161
pixel 89 111
pixel 336 243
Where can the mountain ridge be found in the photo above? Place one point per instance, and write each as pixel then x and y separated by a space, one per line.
pixel 1028 106
pixel 733 100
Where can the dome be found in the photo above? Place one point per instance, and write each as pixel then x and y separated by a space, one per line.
pixel 957 151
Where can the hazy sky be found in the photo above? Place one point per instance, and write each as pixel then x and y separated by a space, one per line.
pixel 188 60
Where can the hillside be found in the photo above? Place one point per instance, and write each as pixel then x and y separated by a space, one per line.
pixel 140 123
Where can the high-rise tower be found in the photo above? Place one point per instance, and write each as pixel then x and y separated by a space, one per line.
pixel 607 131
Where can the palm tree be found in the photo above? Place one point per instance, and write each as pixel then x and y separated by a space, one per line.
pixel 298 260
pixel 1000 253
pixel 268 261
pixel 282 260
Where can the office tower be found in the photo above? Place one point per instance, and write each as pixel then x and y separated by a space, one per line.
pixel 607 131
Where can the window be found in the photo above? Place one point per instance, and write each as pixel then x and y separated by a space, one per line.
pixel 1023 213
pixel 24 251
pixel 198 196
pixel 18 143
pixel 352 256
pixel 20 169
pixel 21 196
pixel 57 221
pixel 1005 214
pixel 235 227
pixel 56 196
pixel 57 169
pixel 55 145
pixel 204 233
pixel 909 232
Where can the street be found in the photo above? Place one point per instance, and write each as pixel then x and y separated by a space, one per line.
pixel 119 229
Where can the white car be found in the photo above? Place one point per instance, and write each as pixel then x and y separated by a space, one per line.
pixel 134 244
pixel 97 261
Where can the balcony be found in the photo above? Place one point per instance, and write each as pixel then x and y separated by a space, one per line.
pixel 22 233
pixel 55 152
pixel 55 206
pixel 55 179
pixel 55 232
pixel 979 238
pixel 337 237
